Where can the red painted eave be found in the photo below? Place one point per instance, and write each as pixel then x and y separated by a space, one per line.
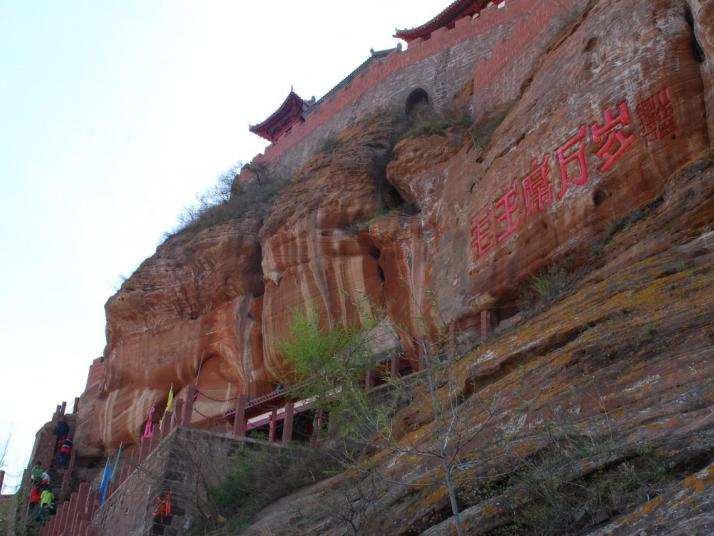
pixel 292 106
pixel 447 18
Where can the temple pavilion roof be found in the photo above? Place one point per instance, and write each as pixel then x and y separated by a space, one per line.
pixel 281 120
pixel 447 18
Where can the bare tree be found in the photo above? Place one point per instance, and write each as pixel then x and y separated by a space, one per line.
pixel 336 360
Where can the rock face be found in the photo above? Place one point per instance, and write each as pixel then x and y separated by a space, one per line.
pixel 609 369
pixel 316 254
pixel 595 156
pixel 192 311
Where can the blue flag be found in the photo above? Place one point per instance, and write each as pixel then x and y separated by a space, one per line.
pixel 105 482
pixel 116 465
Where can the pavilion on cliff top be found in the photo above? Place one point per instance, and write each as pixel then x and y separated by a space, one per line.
pixel 446 19
pixel 294 109
pixel 290 112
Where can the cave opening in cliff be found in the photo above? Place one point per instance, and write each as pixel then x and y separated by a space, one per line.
pixel 391 197
pixel 417 104
pixel 507 308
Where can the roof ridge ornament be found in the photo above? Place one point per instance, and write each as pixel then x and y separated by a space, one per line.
pixel 458 9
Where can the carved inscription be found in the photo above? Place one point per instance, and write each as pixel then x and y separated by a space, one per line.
pixel 656 115
pixel 608 139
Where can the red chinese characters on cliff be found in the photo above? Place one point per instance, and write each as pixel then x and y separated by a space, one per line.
pixel 537 188
pixel 609 139
pixel 612 138
pixel 573 151
pixel 656 115
pixel 482 231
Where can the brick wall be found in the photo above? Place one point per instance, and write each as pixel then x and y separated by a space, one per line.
pixel 7 514
pixel 524 33
pixel 184 463
pixel 500 45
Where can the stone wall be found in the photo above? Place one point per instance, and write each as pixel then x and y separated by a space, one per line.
pixel 184 464
pixel 7 514
pixel 441 65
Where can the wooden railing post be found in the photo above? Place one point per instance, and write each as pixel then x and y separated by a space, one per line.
pixel 271 429
pixel 394 366
pixel 69 509
pixel 288 423
pixel 91 503
pixel 420 355
pixel 142 448
pixel 369 379
pixel 152 442
pixel 318 425
pixel 49 529
pixel 178 414
pixel 166 423
pixel 239 423
pixel 82 499
pixel 188 405
pixel 61 515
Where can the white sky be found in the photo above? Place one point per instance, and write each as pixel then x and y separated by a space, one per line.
pixel 113 116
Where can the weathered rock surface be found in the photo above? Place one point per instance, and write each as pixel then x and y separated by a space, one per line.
pixel 596 156
pixel 623 364
pixel 651 380
pixel 190 311
pixel 316 254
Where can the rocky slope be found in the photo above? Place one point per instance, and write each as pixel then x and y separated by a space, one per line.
pixel 600 165
pixel 620 370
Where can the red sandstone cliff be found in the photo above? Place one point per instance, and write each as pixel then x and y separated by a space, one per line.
pixel 196 303
pixel 594 116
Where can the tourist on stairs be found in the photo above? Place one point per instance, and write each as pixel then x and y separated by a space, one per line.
pixel 34 500
pixel 37 471
pixel 46 500
pixel 65 451
pixel 62 430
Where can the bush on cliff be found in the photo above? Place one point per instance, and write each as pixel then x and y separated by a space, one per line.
pixel 336 361
pixel 333 359
pixel 578 481
pixel 226 201
pixel 258 478
pixel 437 124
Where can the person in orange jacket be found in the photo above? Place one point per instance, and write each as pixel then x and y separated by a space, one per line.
pixel 35 496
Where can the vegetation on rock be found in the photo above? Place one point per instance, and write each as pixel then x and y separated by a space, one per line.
pixel 227 200
pixel 258 478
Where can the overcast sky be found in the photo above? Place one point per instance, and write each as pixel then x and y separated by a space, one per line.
pixel 115 115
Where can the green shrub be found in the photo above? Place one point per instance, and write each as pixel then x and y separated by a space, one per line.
pixel 548 286
pixel 557 503
pixel 258 478
pixel 438 125
pixel 335 360
pixel 225 202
